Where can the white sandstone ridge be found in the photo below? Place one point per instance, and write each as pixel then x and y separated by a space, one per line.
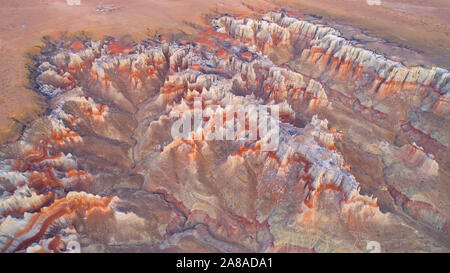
pixel 284 84
pixel 274 26
pixel 277 28
pixel 67 241
pixel 23 199
pixel 67 58
pixel 278 84
pixel 15 232
pixel 327 167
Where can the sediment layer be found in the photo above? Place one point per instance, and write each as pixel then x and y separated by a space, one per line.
pixel 102 169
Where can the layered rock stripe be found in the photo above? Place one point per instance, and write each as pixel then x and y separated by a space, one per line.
pixel 102 169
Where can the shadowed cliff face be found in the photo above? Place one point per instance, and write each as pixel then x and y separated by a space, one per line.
pixel 101 169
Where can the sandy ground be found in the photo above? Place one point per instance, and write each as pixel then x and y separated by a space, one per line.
pixel 420 25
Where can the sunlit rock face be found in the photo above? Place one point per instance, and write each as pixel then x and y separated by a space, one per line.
pixel 102 172
pixel 381 106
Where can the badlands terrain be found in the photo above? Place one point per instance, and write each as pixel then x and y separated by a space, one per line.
pixel 90 94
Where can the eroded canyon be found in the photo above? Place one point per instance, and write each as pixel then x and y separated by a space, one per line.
pixel 363 152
